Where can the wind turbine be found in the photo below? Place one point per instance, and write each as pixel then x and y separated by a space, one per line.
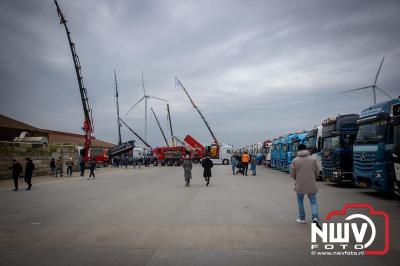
pixel 145 98
pixel 373 86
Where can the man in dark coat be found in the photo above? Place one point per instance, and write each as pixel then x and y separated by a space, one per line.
pixel 16 172
pixel 53 167
pixel 29 168
pixel 82 167
pixel 207 164
pixel 92 166
pixel 187 167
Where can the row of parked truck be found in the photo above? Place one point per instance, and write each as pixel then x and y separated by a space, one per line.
pixel 362 149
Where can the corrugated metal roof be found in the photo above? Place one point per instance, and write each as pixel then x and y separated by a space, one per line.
pixel 55 137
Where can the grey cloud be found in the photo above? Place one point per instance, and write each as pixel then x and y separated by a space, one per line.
pixel 257 69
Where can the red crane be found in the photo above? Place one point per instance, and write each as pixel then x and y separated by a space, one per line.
pixel 88 122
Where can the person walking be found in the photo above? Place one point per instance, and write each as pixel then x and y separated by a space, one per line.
pixel 82 167
pixel 92 167
pixel 304 169
pixel 253 164
pixel 59 164
pixel 207 164
pixel 16 172
pixel 245 162
pixel 29 168
pixel 234 162
pixel 70 164
pixel 187 168
pixel 52 167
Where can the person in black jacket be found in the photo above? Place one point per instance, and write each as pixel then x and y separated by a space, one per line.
pixel 29 168
pixel 53 167
pixel 82 167
pixel 16 172
pixel 92 166
pixel 207 164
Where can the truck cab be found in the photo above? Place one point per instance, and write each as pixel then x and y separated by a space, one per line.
pixel 395 113
pixel 221 154
pixel 282 147
pixel 372 151
pixel 314 145
pixel 290 149
pixel 338 135
pixel 274 153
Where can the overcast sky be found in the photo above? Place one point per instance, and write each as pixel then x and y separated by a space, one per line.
pixel 256 69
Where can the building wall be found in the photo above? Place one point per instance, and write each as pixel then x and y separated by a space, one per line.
pixel 41 155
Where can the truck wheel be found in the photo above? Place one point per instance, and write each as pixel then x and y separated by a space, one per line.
pixel 225 162
pixel 163 164
pixel 169 163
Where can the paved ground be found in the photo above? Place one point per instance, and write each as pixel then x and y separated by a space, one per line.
pixel 148 217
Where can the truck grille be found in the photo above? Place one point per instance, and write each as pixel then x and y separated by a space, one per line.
pixel 364 163
pixel 327 166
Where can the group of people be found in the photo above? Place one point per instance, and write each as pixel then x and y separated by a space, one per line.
pixel 56 167
pixel 240 163
pixel 304 169
pixel 18 171
pixel 206 163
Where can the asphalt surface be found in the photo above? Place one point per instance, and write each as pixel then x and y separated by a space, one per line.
pixel 148 217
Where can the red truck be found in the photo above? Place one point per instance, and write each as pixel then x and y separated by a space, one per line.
pixel 169 155
pixel 198 149
pixel 100 155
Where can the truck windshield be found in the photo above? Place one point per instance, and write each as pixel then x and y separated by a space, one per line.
pixel 372 132
pixel 331 143
pixel 311 142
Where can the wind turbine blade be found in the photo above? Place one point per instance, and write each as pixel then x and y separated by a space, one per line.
pixel 144 90
pixel 362 88
pixel 379 70
pixel 158 98
pixel 384 92
pixel 141 99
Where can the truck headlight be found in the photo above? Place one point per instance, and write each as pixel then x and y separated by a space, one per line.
pixel 378 174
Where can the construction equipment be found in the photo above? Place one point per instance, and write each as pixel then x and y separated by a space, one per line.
pixel 88 127
pixel 121 148
pixel 159 125
pixel 170 126
pixel 145 98
pixel 137 135
pixel 178 82
pixel 117 103
pixel 214 149
pixel 147 154
pixel 196 153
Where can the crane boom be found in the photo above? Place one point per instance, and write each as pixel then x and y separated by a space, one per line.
pixel 88 122
pixel 116 100
pixel 159 125
pixel 136 134
pixel 178 82
pixel 170 125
